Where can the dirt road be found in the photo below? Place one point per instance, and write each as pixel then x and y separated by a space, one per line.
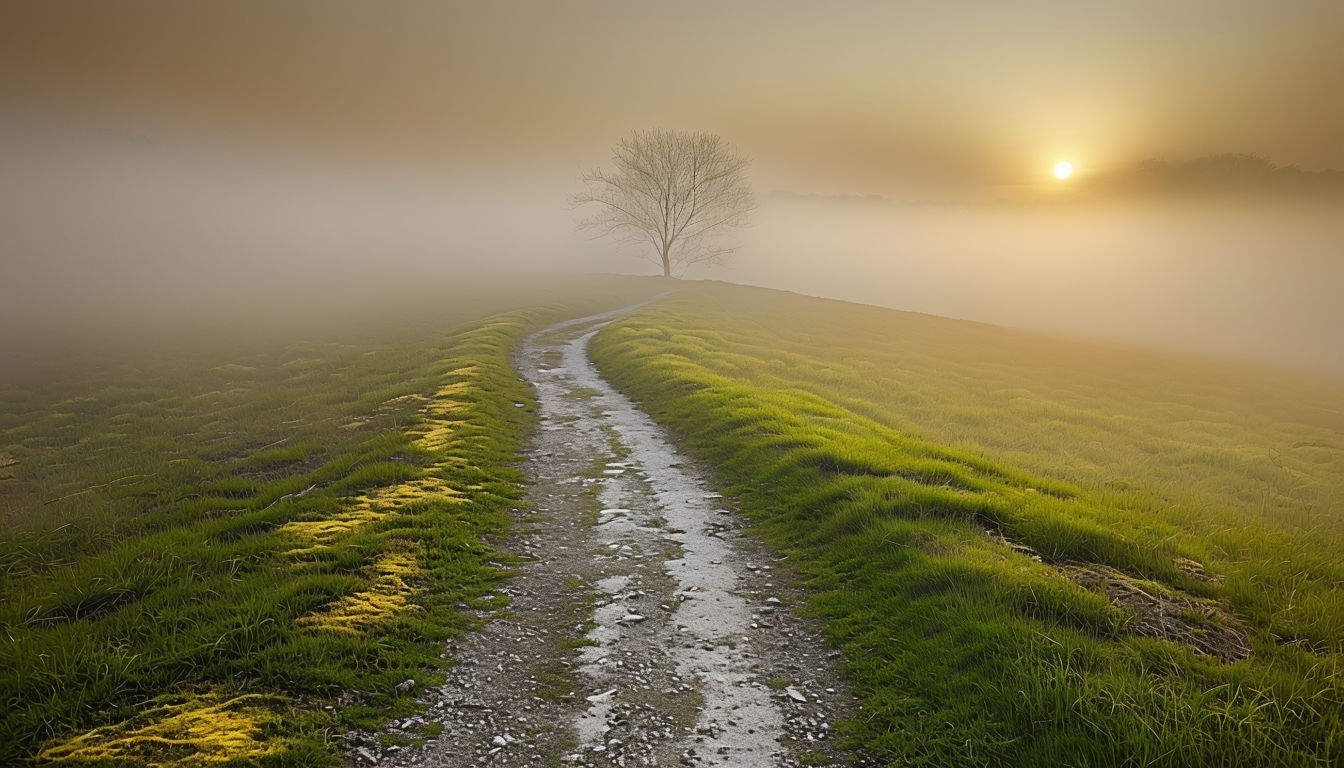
pixel 644 628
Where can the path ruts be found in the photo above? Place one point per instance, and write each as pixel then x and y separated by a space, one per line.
pixel 644 629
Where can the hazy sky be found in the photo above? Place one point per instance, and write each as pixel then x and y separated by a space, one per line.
pixel 173 153
pixel 896 98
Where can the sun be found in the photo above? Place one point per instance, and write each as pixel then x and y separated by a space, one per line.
pixel 1063 169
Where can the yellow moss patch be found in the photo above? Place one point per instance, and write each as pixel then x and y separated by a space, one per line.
pixel 437 430
pixel 396 402
pixel 389 595
pixel 436 435
pixel 447 391
pixel 376 505
pixel 436 415
pixel 319 534
pixel 179 730
pixel 425 488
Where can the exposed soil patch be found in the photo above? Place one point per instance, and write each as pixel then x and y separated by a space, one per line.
pixel 644 629
pixel 1158 612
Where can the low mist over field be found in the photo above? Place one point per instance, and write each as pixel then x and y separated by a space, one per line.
pixel 166 161
pixel 100 227
pixel 1235 278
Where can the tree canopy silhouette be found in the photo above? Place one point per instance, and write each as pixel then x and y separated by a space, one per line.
pixel 680 192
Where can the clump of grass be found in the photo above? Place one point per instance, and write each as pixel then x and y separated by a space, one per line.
pixel 554 681
pixel 939 485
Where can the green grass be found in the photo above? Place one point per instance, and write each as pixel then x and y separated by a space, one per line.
pixel 166 548
pixel 958 497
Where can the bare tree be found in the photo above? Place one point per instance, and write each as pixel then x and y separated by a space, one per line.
pixel 678 191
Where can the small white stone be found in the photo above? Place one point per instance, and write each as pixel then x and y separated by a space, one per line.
pixel 601 696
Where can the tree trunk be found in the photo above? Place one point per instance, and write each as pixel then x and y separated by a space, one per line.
pixel 667 262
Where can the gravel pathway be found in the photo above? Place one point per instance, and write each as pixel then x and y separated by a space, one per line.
pixel 644 628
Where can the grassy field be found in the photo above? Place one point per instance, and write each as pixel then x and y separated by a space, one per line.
pixel 1033 551
pixel 236 543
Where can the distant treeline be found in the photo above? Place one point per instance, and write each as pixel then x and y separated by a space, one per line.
pixel 1228 174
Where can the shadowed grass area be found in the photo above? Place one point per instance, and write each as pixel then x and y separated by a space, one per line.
pixel 235 554
pixel 1032 551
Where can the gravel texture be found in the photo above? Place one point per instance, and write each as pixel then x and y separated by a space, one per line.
pixel 644 629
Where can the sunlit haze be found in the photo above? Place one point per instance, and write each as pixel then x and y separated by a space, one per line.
pixel 1039 164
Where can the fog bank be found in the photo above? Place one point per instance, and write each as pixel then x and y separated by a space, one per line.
pixel 100 229
pixel 1248 281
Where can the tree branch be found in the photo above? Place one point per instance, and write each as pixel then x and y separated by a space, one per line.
pixel 673 189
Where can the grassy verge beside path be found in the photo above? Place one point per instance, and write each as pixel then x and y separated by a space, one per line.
pixel 1032 551
pixel 227 555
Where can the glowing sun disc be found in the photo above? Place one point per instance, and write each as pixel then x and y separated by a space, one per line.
pixel 1063 169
